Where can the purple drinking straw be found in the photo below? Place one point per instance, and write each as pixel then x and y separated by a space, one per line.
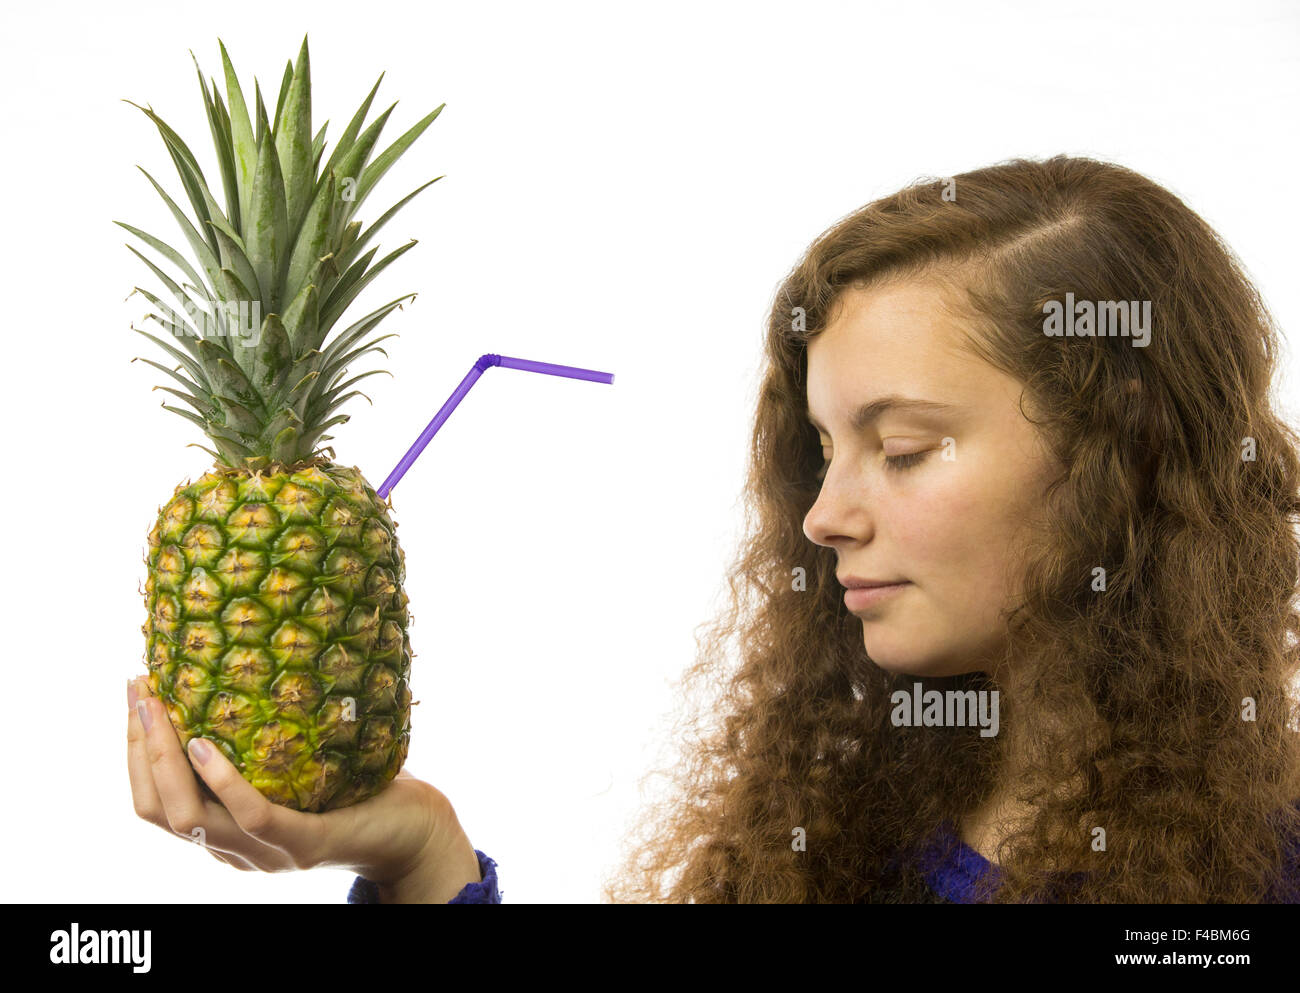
pixel 484 361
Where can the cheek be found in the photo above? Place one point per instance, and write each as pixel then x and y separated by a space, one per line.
pixel 954 531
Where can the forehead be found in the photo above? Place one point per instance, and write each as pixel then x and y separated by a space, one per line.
pixel 897 338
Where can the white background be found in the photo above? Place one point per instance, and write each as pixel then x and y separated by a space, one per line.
pixel 625 188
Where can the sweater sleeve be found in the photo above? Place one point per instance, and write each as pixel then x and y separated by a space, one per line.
pixel 484 891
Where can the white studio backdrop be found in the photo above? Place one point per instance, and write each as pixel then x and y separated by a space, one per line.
pixel 624 189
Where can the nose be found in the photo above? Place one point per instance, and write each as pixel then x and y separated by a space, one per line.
pixel 839 513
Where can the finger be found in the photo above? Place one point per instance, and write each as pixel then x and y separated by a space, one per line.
pixel 144 795
pixel 172 776
pixel 185 810
pixel 300 837
pixel 218 829
pixel 232 860
pixel 220 832
pixel 236 848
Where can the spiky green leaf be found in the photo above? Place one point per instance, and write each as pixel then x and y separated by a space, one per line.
pixel 239 418
pixel 173 256
pixel 272 355
pixel 268 229
pixel 189 385
pixel 331 369
pixel 183 298
pixel 186 166
pixel 351 168
pixel 353 129
pixel 263 128
pixel 219 125
pixel 352 334
pixel 243 140
pixel 300 319
pixel 234 260
pixel 375 171
pixel 318 148
pixel 350 253
pixel 191 361
pixel 343 295
pixel 285 80
pixel 203 410
pixel 313 240
pixel 293 141
pixel 206 253
pixel 286 446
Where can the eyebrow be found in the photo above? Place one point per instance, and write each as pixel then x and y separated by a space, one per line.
pixel 869 412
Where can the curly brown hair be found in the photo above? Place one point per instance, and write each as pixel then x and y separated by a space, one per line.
pixel 1141 693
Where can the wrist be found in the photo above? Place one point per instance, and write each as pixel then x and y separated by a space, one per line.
pixel 445 864
pixel 435 877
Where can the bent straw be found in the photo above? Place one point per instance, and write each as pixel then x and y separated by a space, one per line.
pixel 483 363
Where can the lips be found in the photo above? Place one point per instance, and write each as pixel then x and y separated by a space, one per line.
pixel 860 598
pixel 857 583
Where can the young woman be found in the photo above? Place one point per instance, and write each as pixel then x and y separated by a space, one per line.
pixel 1015 619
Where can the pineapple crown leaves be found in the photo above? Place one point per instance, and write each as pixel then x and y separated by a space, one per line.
pixel 270 275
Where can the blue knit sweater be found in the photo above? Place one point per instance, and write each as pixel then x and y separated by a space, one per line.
pixel 959 874
pixel 484 891
pixel 954 871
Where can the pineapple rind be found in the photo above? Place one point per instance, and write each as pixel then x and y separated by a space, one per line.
pixel 277 628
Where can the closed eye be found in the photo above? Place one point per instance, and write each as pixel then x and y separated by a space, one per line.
pixel 904 461
pixel 896 463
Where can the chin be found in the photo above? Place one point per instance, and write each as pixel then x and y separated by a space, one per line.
pixel 913 660
pixel 902 663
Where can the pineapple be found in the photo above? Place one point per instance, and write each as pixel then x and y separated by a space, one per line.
pixel 276 619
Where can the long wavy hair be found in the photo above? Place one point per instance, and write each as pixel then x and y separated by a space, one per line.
pixel 1166 698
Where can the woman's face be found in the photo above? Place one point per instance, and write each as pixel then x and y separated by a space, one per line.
pixel 929 495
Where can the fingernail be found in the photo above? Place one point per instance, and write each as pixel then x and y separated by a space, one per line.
pixel 200 750
pixel 131 694
pixel 145 717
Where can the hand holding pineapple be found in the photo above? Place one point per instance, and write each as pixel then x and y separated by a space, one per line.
pixel 406 839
